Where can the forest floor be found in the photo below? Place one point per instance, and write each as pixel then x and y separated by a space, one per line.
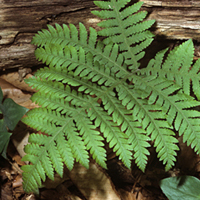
pixel 115 183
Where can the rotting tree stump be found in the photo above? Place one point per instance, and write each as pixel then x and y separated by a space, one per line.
pixel 20 20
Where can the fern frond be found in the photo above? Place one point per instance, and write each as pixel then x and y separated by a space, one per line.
pixel 46 101
pixel 49 152
pixel 116 139
pixel 39 168
pixel 55 46
pixel 124 27
pixel 153 120
pixel 48 119
pixel 71 59
pixel 92 85
pixel 177 68
pixel 177 106
pixel 112 105
pixel 119 114
pixel 92 139
pixel 65 35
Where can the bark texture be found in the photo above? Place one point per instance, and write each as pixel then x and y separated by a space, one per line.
pixel 175 19
pixel 20 20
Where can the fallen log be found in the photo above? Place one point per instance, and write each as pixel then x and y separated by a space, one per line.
pixel 20 20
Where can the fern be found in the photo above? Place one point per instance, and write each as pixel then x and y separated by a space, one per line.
pixel 95 90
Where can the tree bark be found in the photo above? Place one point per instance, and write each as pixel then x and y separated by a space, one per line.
pixel 20 20
pixel 175 19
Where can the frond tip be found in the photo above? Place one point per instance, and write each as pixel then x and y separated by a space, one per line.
pixel 127 28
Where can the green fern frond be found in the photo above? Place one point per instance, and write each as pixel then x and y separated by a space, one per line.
pixel 177 68
pixel 126 28
pixel 177 106
pixel 153 120
pixel 91 137
pixel 65 35
pixel 112 105
pixel 95 85
pixel 81 61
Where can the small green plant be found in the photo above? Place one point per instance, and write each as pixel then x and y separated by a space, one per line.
pixel 181 188
pixel 11 113
pixel 93 85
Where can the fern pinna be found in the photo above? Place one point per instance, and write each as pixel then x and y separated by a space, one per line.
pixel 93 85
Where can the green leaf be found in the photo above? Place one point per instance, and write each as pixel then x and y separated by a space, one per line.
pixel 4 138
pixel 181 188
pixel 12 113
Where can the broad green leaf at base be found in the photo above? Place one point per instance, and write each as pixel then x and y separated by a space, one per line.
pixel 181 188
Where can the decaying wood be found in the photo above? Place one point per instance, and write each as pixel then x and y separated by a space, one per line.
pixel 20 20
pixel 175 19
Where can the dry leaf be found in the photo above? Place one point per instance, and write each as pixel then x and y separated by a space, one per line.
pixel 9 91
pixel 17 182
pixel 13 78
